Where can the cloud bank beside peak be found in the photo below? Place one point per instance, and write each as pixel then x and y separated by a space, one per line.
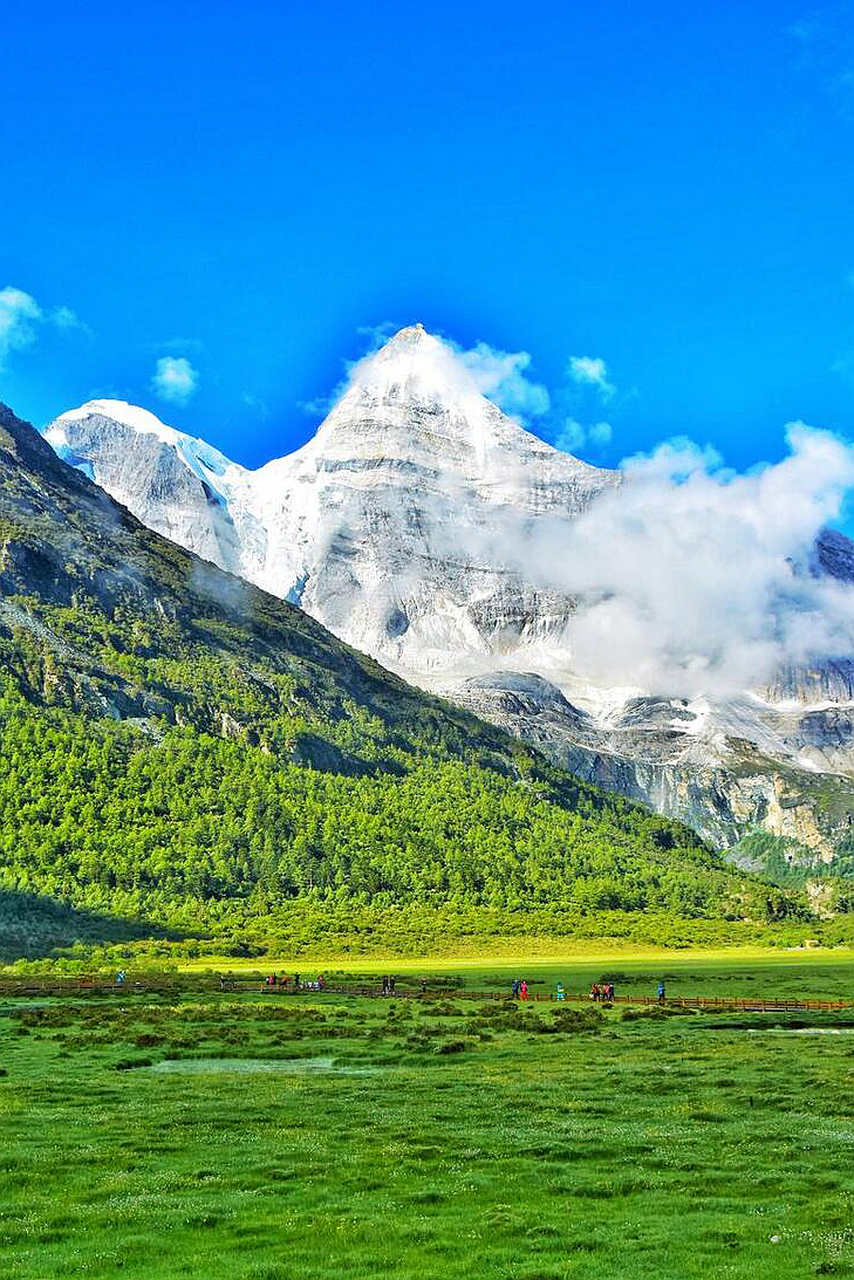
pixel 694 580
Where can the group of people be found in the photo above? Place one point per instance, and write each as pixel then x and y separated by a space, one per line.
pixel 283 981
pixel 601 992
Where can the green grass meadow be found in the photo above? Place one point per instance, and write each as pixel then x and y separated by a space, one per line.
pixel 248 1136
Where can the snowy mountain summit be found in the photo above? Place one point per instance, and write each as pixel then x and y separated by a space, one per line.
pixel 393 526
pixel 426 527
pixel 171 482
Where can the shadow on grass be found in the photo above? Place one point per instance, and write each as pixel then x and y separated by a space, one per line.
pixel 31 926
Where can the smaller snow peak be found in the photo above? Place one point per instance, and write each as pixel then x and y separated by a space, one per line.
pixel 85 427
pixel 128 415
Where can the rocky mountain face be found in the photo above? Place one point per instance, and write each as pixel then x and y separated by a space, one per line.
pixel 726 771
pixel 398 526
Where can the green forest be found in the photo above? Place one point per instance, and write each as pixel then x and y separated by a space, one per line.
pixel 196 832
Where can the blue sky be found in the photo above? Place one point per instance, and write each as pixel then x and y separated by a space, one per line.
pixel 228 197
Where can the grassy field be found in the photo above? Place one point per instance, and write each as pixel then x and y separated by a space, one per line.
pixel 227 1136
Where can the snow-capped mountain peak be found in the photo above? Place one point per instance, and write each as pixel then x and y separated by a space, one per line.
pixel 176 484
pixel 416 401
pixel 393 526
pixel 415 365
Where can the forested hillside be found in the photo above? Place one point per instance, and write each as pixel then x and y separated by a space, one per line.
pixel 181 748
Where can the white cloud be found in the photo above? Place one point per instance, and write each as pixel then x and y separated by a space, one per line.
pixel 501 376
pixel 175 379
pixel 571 436
pixel 574 435
pixel 21 317
pixel 684 573
pixel 591 371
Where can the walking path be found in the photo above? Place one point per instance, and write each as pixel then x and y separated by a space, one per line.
pixel 175 984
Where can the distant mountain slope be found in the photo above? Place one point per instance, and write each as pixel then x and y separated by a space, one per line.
pixel 422 525
pixel 176 742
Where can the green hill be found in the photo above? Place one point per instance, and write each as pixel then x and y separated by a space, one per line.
pixel 183 752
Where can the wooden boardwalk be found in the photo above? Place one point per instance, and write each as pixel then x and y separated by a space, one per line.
pixel 748 1004
pixel 186 984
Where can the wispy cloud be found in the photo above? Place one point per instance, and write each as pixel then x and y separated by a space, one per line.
pixel 377 335
pixel 502 376
pixel 21 317
pixel 256 403
pixel 175 379
pixel 574 435
pixel 600 433
pixel 591 371
pixel 180 346
pixel 824 41
pixel 65 318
